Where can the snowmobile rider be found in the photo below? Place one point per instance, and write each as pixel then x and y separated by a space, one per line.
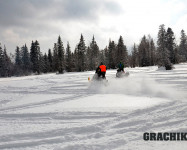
pixel 120 67
pixel 101 71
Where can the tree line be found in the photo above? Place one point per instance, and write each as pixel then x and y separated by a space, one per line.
pixel 164 53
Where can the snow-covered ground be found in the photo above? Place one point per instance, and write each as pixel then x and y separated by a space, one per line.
pixel 66 112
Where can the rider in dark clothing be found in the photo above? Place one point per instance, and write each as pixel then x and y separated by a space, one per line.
pixel 120 67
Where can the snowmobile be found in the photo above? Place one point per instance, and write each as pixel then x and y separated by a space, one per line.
pixel 96 79
pixel 121 74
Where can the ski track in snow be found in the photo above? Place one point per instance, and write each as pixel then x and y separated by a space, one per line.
pixel 36 112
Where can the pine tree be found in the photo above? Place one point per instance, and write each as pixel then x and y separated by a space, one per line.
pixel 55 58
pixel 170 45
pixel 41 63
pixel 25 59
pixel 163 56
pixel 18 61
pixel 89 60
pixel 94 58
pixel 81 54
pixel 106 55
pixel 177 56
pixel 152 50
pixel 76 59
pixel 143 51
pixel 68 58
pixel 121 53
pixel 112 54
pixel 46 66
pixel 50 59
pixel 34 56
pixel 102 56
pixel 134 57
pixel 7 64
pixel 61 58
pixel 1 62
pixel 183 47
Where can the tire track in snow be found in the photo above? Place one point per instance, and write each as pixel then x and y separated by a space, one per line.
pixel 114 128
pixel 38 104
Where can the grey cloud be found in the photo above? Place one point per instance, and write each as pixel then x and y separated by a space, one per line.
pixel 87 9
pixel 23 12
pixel 31 19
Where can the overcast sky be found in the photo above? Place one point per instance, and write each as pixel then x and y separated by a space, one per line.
pixel 22 21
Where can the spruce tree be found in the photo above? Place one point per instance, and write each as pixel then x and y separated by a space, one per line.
pixel 89 60
pixel 134 57
pixel 163 53
pixel 25 59
pixel 143 51
pixel 1 62
pixel 81 54
pixel 102 57
pixel 183 47
pixel 18 60
pixel 106 55
pixel 170 45
pixel 61 57
pixel 55 58
pixel 7 63
pixel 112 54
pixel 76 59
pixel 121 53
pixel 34 56
pixel 153 57
pixel 94 58
pixel 68 58
pixel 50 59
pixel 46 67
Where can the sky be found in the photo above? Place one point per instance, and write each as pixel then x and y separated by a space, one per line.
pixel 24 21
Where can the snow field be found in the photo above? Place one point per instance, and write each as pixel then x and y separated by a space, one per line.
pixel 68 112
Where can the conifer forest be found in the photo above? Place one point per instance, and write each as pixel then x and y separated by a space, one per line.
pixel 29 59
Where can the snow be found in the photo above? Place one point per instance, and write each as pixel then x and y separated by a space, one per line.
pixel 67 112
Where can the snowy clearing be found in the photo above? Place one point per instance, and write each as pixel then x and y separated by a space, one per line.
pixel 66 112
